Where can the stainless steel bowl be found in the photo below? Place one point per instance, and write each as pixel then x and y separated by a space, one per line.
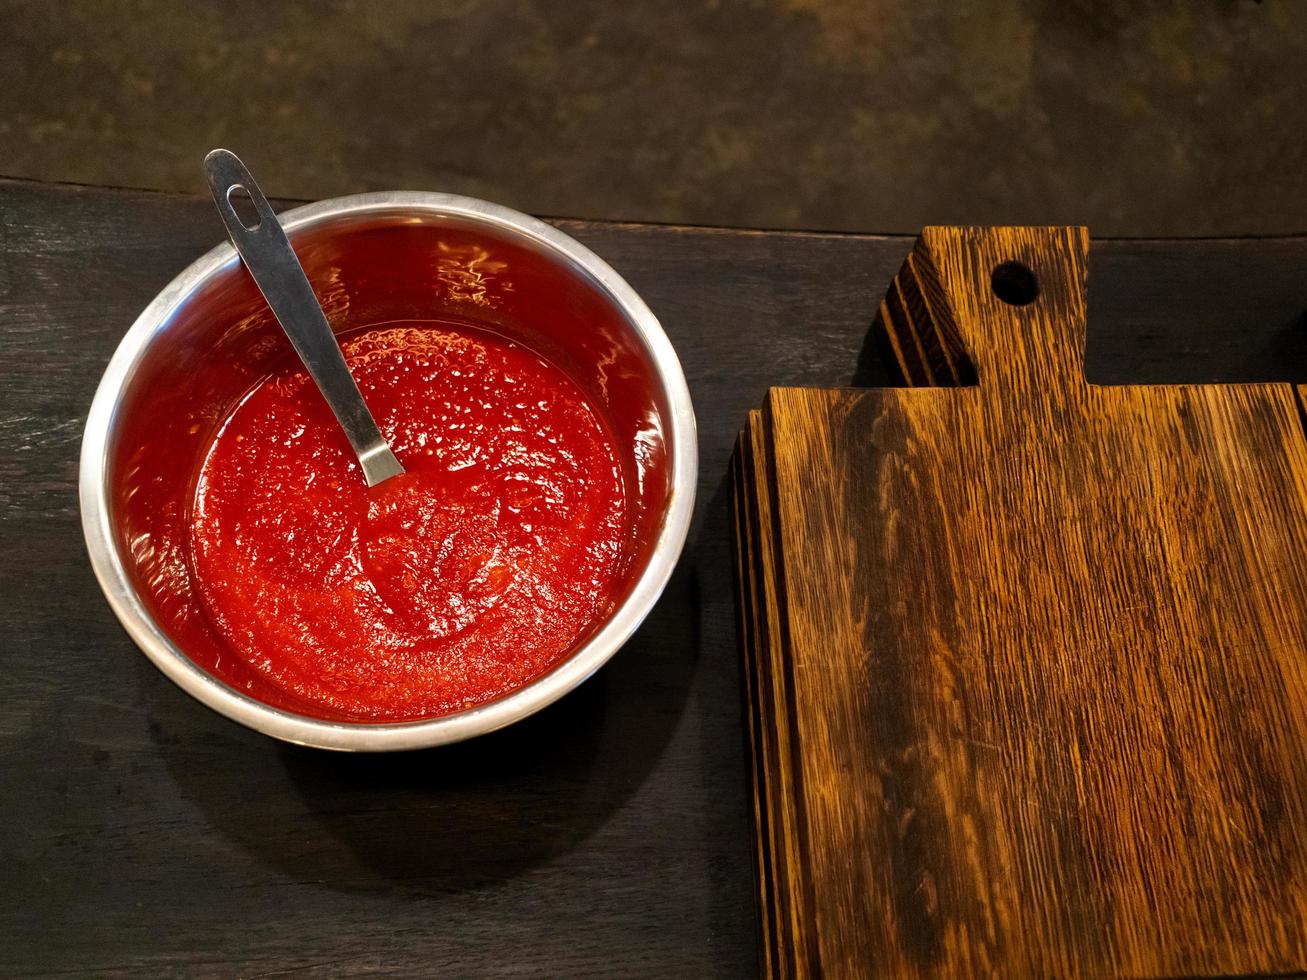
pixel 212 311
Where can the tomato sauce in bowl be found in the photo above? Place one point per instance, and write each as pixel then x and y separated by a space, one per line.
pixel 456 582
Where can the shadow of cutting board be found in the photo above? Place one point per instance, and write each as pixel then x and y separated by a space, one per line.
pixel 1025 658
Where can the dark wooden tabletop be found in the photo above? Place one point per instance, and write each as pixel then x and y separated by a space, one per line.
pixel 141 833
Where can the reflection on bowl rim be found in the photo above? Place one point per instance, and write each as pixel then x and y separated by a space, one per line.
pixel 368 736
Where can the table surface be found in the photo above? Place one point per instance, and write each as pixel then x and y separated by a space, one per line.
pixel 141 833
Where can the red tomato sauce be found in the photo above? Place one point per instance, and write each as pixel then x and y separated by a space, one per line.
pixel 480 568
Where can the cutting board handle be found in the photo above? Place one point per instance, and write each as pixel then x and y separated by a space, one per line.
pixel 991 306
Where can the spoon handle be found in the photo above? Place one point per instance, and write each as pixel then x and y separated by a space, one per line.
pixel 267 255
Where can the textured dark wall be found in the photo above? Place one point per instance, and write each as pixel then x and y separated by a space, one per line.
pixel 1183 117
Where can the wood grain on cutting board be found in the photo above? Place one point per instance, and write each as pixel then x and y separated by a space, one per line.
pixel 1048 644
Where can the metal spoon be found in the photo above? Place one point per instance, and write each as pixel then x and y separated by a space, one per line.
pixel 271 261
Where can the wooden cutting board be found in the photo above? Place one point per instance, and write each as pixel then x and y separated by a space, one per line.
pixel 1025 657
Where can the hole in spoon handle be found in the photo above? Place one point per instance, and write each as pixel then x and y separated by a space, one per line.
pixel 241 203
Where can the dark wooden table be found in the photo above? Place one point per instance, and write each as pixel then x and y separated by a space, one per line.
pixel 140 833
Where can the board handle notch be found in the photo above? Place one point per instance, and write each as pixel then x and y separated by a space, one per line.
pixel 990 306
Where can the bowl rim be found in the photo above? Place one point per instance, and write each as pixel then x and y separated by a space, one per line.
pixel 93 491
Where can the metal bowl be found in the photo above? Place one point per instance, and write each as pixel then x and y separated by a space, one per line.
pixel 371 257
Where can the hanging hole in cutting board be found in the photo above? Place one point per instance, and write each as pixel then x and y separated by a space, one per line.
pixel 1014 283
